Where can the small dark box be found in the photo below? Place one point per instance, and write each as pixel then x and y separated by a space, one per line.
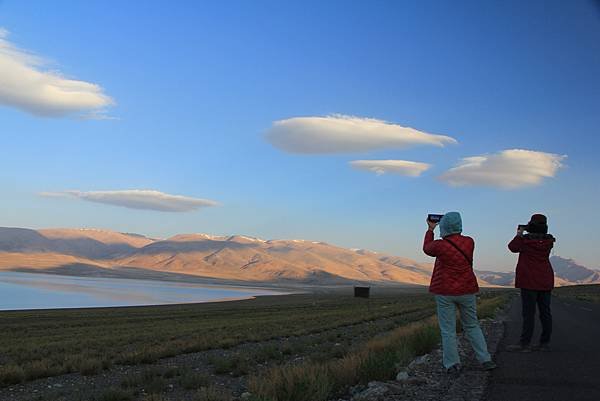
pixel 361 292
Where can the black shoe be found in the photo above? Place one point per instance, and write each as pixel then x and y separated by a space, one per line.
pixel 489 365
pixel 543 347
pixel 518 348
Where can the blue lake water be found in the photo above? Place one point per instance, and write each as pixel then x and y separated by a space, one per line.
pixel 46 291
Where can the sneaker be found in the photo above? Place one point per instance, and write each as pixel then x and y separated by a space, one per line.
pixel 454 370
pixel 543 347
pixel 489 365
pixel 518 348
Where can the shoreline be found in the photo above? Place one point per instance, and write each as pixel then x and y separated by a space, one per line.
pixel 272 289
pixel 104 292
pixel 82 308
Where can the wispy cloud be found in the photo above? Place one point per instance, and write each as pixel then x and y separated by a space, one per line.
pixel 25 84
pixel 344 134
pixel 402 167
pixel 508 169
pixel 138 199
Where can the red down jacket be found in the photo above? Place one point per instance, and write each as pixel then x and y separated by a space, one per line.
pixel 452 273
pixel 534 271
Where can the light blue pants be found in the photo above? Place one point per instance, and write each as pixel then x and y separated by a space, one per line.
pixel 446 311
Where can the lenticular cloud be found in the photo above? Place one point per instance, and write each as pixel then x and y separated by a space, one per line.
pixel 26 86
pixel 139 199
pixel 509 169
pixel 346 134
pixel 401 167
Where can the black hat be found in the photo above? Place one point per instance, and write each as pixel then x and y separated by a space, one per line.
pixel 538 219
pixel 538 224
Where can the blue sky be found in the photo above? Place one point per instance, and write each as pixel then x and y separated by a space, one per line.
pixel 196 87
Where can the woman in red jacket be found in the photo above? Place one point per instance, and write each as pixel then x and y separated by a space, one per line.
pixel 455 285
pixel 535 278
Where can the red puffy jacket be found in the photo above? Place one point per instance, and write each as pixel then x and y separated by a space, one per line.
pixel 534 271
pixel 452 272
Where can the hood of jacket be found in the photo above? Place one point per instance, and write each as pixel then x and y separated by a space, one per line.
pixel 450 224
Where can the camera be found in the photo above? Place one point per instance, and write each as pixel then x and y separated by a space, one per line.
pixel 434 218
pixel 522 227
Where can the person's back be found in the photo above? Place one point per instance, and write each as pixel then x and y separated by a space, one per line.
pixel 535 277
pixel 452 271
pixel 534 270
pixel 455 285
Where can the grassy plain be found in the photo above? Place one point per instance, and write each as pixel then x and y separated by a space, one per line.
pixel 589 293
pixel 377 359
pixel 52 342
pixel 340 339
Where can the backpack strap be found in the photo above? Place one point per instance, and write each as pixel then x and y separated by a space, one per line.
pixel 461 251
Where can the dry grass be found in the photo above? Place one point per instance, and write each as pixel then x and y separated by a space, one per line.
pixel 339 338
pixel 191 380
pixel 152 380
pixel 115 394
pixel 378 359
pixel 11 374
pixel 587 293
pixel 91 340
pixel 212 394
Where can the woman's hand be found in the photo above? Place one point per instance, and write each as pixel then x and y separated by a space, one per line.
pixel 520 231
pixel 431 224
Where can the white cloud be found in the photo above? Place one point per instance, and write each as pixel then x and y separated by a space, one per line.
pixel 139 199
pixel 25 84
pixel 508 169
pixel 402 167
pixel 342 134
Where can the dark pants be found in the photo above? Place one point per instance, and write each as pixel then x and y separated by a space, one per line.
pixel 529 298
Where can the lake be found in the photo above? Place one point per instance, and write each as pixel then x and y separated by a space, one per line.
pixel 47 291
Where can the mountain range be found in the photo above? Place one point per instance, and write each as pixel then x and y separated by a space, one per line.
pixel 231 259
pixel 566 272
